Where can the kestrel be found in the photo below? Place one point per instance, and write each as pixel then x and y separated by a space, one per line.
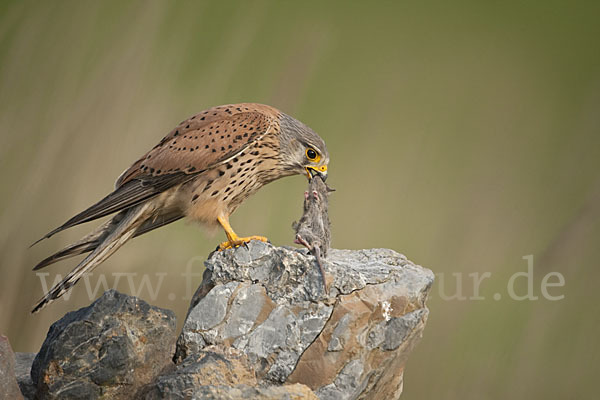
pixel 203 170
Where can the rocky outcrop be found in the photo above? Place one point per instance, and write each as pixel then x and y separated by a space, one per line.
pixel 110 349
pixel 269 304
pixel 260 326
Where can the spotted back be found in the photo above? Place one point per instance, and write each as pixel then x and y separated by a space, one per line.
pixel 205 140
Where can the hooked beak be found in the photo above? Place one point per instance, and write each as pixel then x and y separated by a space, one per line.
pixel 321 171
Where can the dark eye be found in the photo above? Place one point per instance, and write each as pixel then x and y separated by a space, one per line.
pixel 311 154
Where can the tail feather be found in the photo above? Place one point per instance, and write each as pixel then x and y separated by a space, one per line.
pixel 91 241
pixel 84 245
pixel 126 196
pixel 67 252
pixel 118 234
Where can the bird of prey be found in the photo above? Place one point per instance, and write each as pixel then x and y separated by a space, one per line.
pixel 202 170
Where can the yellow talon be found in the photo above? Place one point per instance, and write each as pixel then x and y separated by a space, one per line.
pixel 233 239
pixel 240 241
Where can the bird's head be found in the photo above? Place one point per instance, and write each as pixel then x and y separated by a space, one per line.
pixel 302 150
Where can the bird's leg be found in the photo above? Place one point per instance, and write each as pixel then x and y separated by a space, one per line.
pixel 233 240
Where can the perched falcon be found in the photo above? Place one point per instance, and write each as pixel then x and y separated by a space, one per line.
pixel 203 170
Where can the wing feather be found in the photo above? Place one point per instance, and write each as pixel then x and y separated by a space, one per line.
pixel 93 240
pixel 199 143
pixel 203 141
pixel 128 195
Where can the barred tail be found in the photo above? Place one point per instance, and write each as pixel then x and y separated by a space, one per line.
pixel 104 242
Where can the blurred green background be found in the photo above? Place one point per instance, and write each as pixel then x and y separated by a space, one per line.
pixel 463 134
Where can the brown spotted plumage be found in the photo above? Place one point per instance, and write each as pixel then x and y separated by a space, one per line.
pixel 203 170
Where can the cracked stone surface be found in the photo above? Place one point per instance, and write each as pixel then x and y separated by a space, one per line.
pixel 109 349
pixel 268 305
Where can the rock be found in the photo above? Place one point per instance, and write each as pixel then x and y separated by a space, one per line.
pixel 9 389
pixel 245 392
pixel 269 304
pixel 23 373
pixel 209 367
pixel 219 373
pixel 109 349
pixel 260 326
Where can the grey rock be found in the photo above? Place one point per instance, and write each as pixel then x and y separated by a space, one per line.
pixel 9 389
pixel 23 373
pixel 212 309
pixel 285 337
pixel 109 349
pixel 260 326
pixel 243 312
pixel 398 329
pixel 348 382
pixel 287 328
pixel 219 373
pixel 210 367
pixel 340 335
pixel 268 304
pixel 246 392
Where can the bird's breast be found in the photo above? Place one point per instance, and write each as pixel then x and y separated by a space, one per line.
pixel 220 190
